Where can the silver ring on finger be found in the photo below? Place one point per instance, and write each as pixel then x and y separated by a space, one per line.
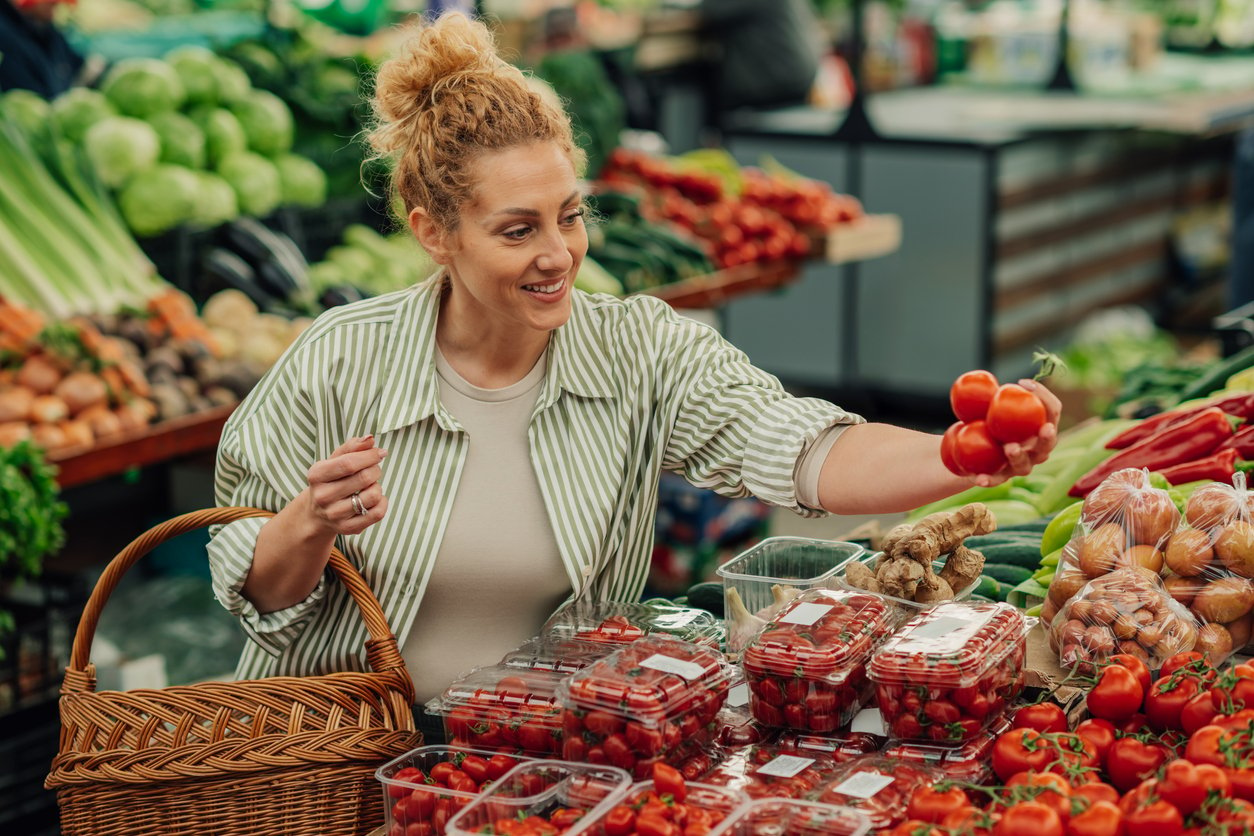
pixel 358 508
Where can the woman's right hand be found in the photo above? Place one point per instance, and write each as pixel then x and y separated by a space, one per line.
pixel 352 468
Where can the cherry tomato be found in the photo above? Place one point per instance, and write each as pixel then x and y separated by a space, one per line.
pixel 1015 414
pixel 1042 716
pixel 971 394
pixel 668 780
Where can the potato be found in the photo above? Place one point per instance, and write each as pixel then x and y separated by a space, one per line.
pixel 1065 585
pixel 1134 649
pixel 1048 610
pixel 1234 546
pixel 1101 548
pixel 1151 516
pixel 1143 555
pixel 1213 505
pixel 1183 589
pixel 1106 502
pixel 1149 636
pixel 1188 552
pixel 1214 641
pixel 1224 600
pixel 1098 641
pixel 1240 630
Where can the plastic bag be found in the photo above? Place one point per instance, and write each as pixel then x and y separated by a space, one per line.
pixel 1210 562
pixel 1125 521
pixel 1125 611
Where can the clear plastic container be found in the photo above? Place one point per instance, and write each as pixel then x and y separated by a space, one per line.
pixel 807 668
pixel 789 563
pixel 562 655
pixel 616 623
pixel 503 708
pixel 878 787
pixel 842 747
pixel 410 802
pixel 567 795
pixel 710 803
pixel 869 559
pixel 970 763
pixel 950 671
pixel 637 705
pixel 769 770
pixel 790 817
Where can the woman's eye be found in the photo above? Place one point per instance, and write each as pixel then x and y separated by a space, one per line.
pixel 517 234
pixel 573 217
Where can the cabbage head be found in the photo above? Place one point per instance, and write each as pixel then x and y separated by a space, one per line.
pixel 303 182
pixel 255 180
pixel 77 109
pixel 196 68
pixel 231 81
pixel 27 109
pixel 223 134
pixel 267 122
pixel 182 140
pixel 159 199
pixel 215 201
pixel 140 87
pixel 120 147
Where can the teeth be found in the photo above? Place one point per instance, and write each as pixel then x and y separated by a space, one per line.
pixel 543 288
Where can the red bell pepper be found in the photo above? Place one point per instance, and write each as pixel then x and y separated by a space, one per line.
pixel 1242 442
pixel 1241 406
pixel 1193 438
pixel 1217 467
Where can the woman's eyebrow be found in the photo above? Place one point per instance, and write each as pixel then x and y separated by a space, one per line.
pixel 534 213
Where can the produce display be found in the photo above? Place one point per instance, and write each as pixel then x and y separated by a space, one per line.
pixel 424 788
pixel 969 762
pixel 562 655
pixel 540 799
pixel 878 787
pixel 772 771
pixel 807 668
pixel 950 671
pixel 666 803
pixel 770 816
pixel 503 709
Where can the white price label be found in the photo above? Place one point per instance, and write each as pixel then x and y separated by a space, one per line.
pixel 738 695
pixel 939 627
pixel 805 613
pixel 675 620
pixel 863 784
pixel 784 766
pixel 669 664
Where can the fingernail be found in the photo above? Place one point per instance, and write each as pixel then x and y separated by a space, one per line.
pixel 382 453
pixel 367 437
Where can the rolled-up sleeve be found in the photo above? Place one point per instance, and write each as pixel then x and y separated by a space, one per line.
pixel 735 429
pixel 261 463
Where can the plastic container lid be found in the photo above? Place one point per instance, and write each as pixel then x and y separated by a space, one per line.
pixel 501 687
pixel 652 680
pixel 841 746
pixel 950 645
pixel 562 655
pixel 822 634
pixel 791 817
pixel 796 561
pixel 879 787
pixel 613 622
pixel 539 788
pixel 968 762
pixel 771 769
pixel 720 801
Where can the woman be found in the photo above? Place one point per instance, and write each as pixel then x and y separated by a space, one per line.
pixel 486 443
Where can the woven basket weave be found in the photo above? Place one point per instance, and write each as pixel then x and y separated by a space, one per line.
pixel 285 755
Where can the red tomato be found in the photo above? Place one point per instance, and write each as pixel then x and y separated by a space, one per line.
pixel 668 780
pixel 1101 818
pixel 975 451
pixel 949 449
pixel 1136 665
pixel 1197 712
pixel 1054 792
pixel 913 827
pixel 1018 751
pixel 621 821
pixel 1166 701
pixel 1096 791
pixel 1130 761
pixel 1029 818
pixel 971 394
pixel 1015 414
pixel 1117 694
pixel 1100 733
pixel 1185 785
pixel 971 821
pixel 476 767
pixel 1042 716
pixel 932 805
pixel 1155 819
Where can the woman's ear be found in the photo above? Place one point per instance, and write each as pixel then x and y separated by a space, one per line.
pixel 430 235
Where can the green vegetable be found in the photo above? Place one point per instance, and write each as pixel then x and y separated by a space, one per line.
pixel 593 278
pixel 1006 573
pixel 1217 374
pixel 223 134
pixel 255 181
pixel 141 87
pixel 707 596
pixel 159 199
pixel 231 81
pixel 27 109
pixel 1055 497
pixel 1026 593
pixel 196 69
pixel 976 494
pixel 1026 554
pixel 1059 530
pixel 267 122
pixel 182 140
pixel 988 587
pixel 302 182
pixel 120 147
pixel 77 109
pixel 215 202
pixel 1012 511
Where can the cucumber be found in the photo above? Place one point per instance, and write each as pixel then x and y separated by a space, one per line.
pixel 1026 556
pixel 1001 538
pixel 707 596
pixel 989 588
pixel 1009 512
pixel 1217 375
pixel 1007 574
pixel 1036 526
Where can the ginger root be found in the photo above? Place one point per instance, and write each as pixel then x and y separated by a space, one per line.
pixel 857 574
pixel 963 566
pixel 942 592
pixel 940 533
pixel 904 568
pixel 900 578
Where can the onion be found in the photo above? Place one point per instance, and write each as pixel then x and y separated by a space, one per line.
pixel 48 409
pixel 103 423
pixel 15 403
pixel 77 433
pixel 48 436
pixel 39 374
pixel 80 390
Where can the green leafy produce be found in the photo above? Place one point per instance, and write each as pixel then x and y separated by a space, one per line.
pixel 77 109
pixel 196 68
pixel 182 140
pixel 223 133
pixel 231 81
pixel 28 109
pixel 593 278
pixel 140 87
pixel 159 199
pixel 303 182
pixel 120 147
pixel 267 122
pixel 215 201
pixel 255 181
pixel 595 107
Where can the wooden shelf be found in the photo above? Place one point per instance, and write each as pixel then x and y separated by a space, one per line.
pixel 160 442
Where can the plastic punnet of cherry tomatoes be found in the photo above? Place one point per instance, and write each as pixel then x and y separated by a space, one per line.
pixel 879 787
pixel 503 708
pixel 427 786
pixel 541 797
pixel 667 804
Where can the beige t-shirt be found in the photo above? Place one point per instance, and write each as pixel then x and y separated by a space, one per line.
pixel 498 573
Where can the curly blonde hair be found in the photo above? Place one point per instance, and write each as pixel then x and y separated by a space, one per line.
pixel 446 97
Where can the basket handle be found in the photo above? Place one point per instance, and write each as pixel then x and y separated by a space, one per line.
pixel 382 653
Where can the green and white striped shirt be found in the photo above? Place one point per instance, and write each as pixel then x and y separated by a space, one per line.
pixel 632 388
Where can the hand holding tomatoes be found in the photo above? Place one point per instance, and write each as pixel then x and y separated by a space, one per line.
pixel 1002 430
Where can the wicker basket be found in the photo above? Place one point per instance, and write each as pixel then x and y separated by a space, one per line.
pixel 285 755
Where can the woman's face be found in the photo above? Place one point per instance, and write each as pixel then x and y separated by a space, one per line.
pixel 521 239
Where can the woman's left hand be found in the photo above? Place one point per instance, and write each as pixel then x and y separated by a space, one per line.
pixel 1022 456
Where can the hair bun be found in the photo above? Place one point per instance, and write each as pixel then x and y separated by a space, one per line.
pixel 432 58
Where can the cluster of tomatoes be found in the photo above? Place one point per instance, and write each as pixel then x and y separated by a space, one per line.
pixel 879 787
pixel 518 713
pixel 925 696
pixel 969 762
pixel 614 629
pixel 423 800
pixel 812 676
pixel 767 221
pixel 786 774
pixel 990 415
pixel 556 822
pixel 664 807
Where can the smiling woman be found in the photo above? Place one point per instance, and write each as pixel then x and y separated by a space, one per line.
pixel 488 443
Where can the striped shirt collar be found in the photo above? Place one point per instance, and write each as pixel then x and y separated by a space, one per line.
pixel 410 390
